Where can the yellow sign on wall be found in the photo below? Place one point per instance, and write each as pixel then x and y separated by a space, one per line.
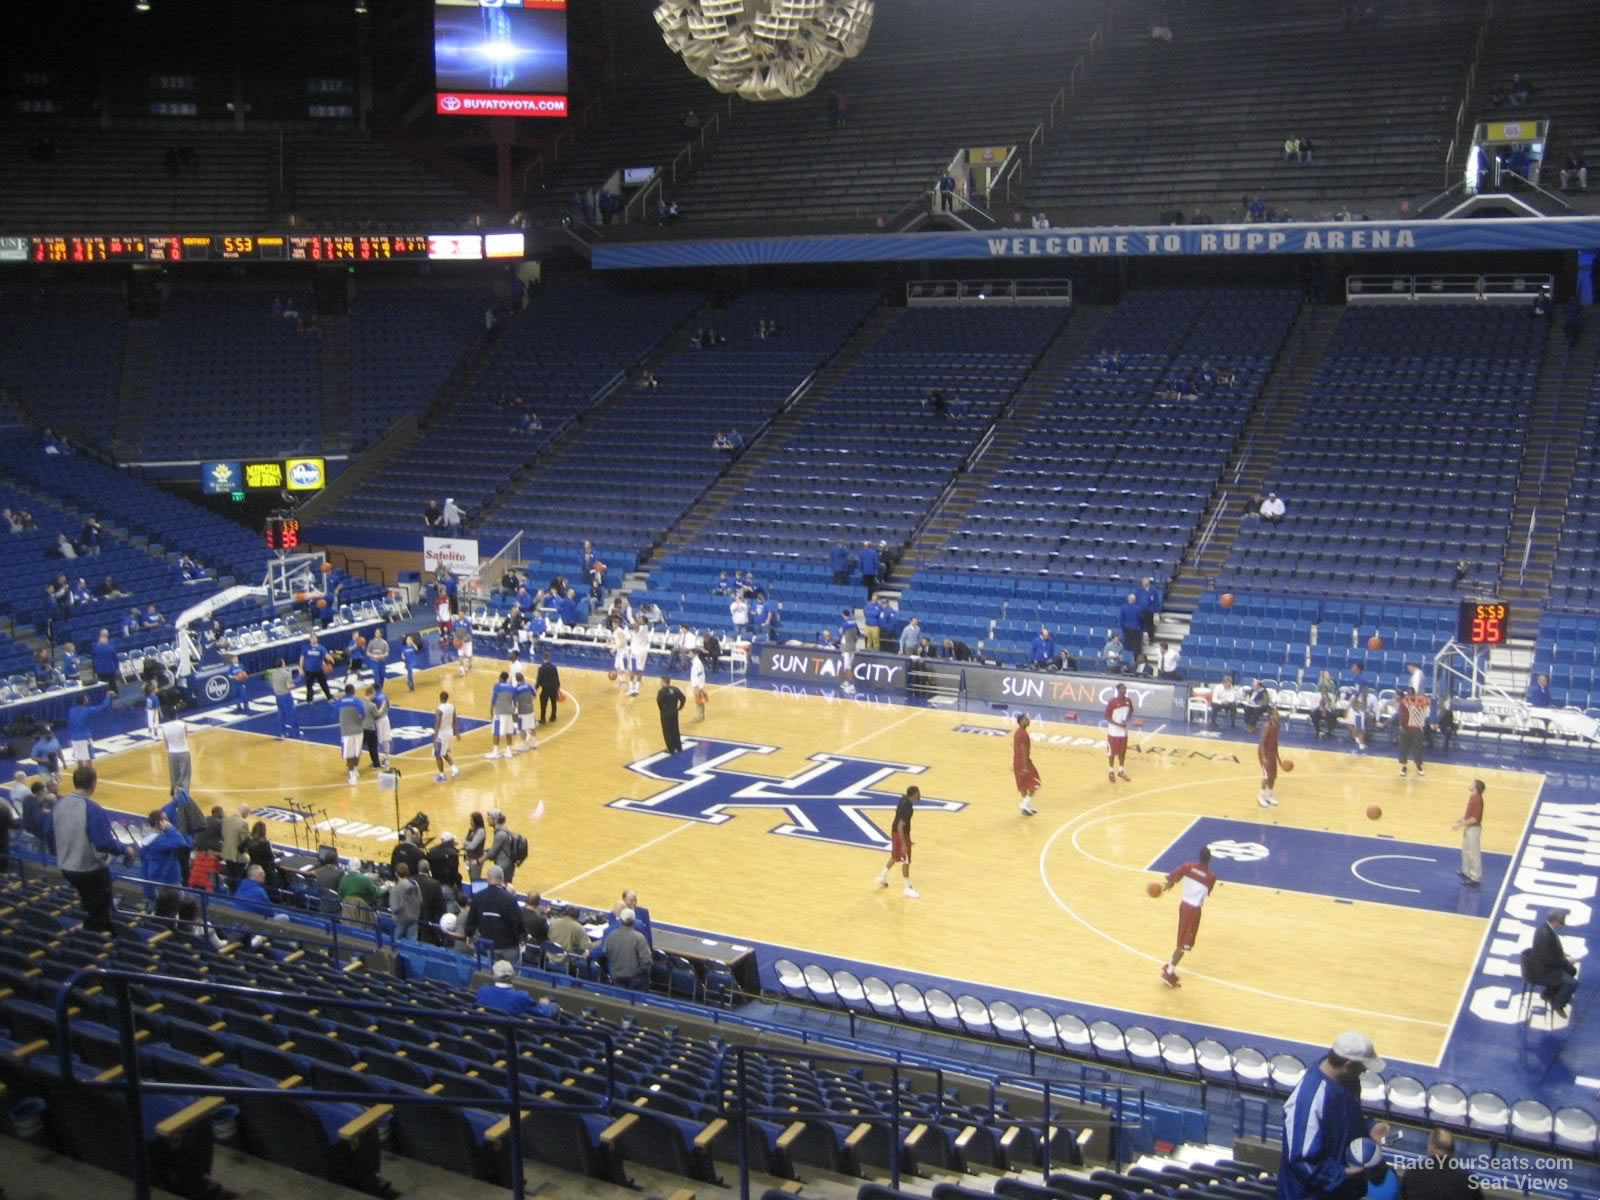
pixel 306 474
pixel 263 475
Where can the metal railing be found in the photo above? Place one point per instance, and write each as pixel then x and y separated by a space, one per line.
pixel 683 160
pixel 1425 288
pixel 136 1087
pixel 1527 545
pixel 590 113
pixel 973 292
pixel 1111 1095
pixel 1466 89
pixel 299 918
pixel 1211 527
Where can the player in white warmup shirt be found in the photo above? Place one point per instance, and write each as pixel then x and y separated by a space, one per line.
pixel 444 737
pixel 638 654
pixel 697 684
pixel 464 648
pixel 619 652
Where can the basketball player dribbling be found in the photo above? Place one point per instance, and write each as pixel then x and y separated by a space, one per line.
pixel 1119 712
pixel 1267 752
pixel 900 842
pixel 1197 880
pixel 1027 775
pixel 619 654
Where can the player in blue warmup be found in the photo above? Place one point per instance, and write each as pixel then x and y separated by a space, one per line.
pixel 408 655
pixel 503 712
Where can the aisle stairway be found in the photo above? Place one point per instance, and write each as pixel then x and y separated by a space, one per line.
pixel 1252 459
pixel 1555 429
pixel 749 464
pixel 1046 379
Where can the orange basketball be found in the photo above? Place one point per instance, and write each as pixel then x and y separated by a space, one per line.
pixel 1287 764
pixel 1227 600
pixel 327 567
pixel 1375 642
pixel 300 597
pixel 612 675
pixel 1373 812
pixel 321 603
pixel 241 676
pixel 1152 889
pixel 564 696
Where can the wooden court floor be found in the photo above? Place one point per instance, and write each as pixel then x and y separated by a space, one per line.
pixel 1052 905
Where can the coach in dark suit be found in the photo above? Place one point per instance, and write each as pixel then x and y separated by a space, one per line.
pixel 1549 968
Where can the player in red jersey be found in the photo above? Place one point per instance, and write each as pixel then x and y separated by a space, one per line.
pixel 1119 712
pixel 1028 781
pixel 1197 881
pixel 1267 752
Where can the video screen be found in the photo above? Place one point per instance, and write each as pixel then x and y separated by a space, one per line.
pixel 503 58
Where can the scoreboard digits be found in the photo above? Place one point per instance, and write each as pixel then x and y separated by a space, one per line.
pixel 283 533
pixel 1483 623
pixel 250 247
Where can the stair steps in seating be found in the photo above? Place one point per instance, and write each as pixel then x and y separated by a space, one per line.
pixel 1275 410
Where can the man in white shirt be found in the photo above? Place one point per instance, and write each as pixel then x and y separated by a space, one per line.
pixel 452 515
pixel 175 735
pixel 739 610
pixel 618 644
pixel 1272 508
pixel 1169 661
pixel 697 684
pixel 1225 698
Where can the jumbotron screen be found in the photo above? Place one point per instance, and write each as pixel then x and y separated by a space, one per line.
pixel 500 58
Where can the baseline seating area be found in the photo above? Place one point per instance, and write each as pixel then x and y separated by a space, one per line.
pixel 1568 650
pixel 1403 458
pixel 404 343
pixel 1111 480
pixel 803 593
pixel 912 101
pixel 1378 103
pixel 61 355
pixel 1292 640
pixel 230 373
pixel 171 525
pixel 1001 614
pixel 557 354
pixel 636 464
pixel 868 460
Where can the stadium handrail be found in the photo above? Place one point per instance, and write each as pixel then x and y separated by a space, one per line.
pixel 330 923
pixel 131 1082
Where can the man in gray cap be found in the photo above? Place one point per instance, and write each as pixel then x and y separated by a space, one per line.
pixel 628 954
pixel 1321 1117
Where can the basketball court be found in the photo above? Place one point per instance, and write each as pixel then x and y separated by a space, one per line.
pixel 771 826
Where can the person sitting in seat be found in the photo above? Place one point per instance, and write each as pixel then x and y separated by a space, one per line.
pixel 1548 967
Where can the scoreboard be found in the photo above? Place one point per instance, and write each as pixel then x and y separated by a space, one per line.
pixel 282 533
pixel 258 247
pixel 1483 623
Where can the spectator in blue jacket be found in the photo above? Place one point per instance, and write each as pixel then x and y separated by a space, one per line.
pixel 46 752
pixel 1132 618
pixel 252 889
pixel 839 562
pixel 1044 650
pixel 1321 1117
pixel 104 656
pixel 501 996
pixel 80 720
pixel 1149 605
pixel 162 857
pixel 868 562
pixel 1539 692
pixel 567 608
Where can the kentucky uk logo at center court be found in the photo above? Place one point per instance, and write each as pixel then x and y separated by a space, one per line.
pixel 827 803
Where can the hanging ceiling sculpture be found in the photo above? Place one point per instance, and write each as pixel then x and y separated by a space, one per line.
pixel 765 49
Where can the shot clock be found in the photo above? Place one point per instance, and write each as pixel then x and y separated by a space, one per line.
pixel 1483 623
pixel 282 533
